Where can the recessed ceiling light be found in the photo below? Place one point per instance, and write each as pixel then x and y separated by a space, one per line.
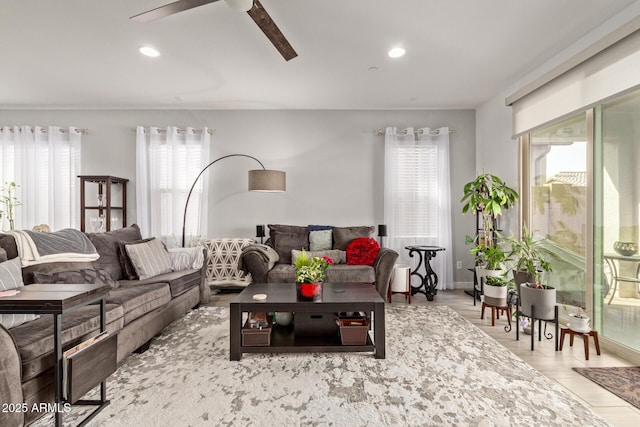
pixel 149 51
pixel 396 52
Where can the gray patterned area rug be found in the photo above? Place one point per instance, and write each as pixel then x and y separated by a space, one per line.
pixel 440 370
pixel 622 381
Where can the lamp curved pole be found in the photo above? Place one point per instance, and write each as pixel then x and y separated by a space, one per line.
pixel 186 205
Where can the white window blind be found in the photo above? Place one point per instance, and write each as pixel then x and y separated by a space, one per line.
pixel 416 188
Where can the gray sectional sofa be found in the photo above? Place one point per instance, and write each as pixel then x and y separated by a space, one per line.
pixel 284 239
pixel 137 310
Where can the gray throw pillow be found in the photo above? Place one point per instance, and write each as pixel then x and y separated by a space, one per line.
pixel 88 275
pixel 150 259
pixel 128 270
pixel 285 238
pixel 342 236
pixel 11 278
pixel 320 240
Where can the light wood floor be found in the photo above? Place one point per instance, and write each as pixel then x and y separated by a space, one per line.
pixel 555 365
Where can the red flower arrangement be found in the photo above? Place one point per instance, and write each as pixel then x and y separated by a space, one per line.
pixel 362 251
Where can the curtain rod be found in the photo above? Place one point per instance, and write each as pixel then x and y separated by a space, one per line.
pixel 380 132
pixel 209 131
pixel 44 129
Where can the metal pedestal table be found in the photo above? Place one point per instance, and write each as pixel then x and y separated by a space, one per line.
pixel 428 280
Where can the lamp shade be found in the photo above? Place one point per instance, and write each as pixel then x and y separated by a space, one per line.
pixel 267 180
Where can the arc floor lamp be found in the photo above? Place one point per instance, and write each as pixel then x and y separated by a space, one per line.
pixel 264 180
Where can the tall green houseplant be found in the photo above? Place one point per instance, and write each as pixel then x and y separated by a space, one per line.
pixel 487 196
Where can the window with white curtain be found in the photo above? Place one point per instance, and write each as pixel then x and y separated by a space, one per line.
pixel 168 162
pixel 44 162
pixel 417 207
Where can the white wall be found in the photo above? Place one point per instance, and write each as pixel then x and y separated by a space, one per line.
pixel 496 151
pixel 333 159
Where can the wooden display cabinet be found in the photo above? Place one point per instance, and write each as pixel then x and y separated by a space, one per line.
pixel 103 203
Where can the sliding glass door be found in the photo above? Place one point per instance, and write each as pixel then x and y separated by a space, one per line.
pixel 557 203
pixel 581 190
pixel 618 219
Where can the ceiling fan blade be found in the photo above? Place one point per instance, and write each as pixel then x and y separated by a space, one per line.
pixel 170 9
pixel 271 30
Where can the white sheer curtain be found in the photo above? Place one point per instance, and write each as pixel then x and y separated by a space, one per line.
pixel 417 196
pixel 167 162
pixel 45 163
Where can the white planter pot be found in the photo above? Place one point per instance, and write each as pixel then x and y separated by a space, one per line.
pixel 543 300
pixel 400 278
pixel 579 324
pixel 495 295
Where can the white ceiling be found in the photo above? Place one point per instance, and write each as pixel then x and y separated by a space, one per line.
pixel 460 53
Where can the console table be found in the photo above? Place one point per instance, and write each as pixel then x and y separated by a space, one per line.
pixel 428 280
pixel 57 300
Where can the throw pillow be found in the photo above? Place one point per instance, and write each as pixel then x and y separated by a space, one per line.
pixel 320 240
pixel 128 270
pixel 186 258
pixel 107 246
pixel 87 275
pixel 342 236
pixel 362 251
pixel 285 238
pixel 3 255
pixel 11 278
pixel 150 259
pixel 338 256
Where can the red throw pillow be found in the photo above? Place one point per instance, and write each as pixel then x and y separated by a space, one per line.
pixel 362 251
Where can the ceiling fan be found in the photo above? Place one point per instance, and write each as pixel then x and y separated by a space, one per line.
pixel 253 7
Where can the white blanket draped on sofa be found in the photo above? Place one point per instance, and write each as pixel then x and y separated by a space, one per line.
pixel 67 245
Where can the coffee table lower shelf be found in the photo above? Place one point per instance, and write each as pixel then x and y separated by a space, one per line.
pixel 284 341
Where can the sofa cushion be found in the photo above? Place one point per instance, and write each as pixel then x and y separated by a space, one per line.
pixel 342 236
pixel 137 300
pixel 35 339
pixel 187 258
pixel 320 237
pixel 11 279
pixel 344 273
pixel 3 255
pixel 87 275
pixel 107 246
pixel 150 258
pixel 179 281
pixel 128 270
pixel 282 273
pixel 285 238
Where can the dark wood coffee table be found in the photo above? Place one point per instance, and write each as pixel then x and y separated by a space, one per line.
pixel 336 297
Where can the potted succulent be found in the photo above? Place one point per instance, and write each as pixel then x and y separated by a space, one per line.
pixel 579 321
pixel 496 290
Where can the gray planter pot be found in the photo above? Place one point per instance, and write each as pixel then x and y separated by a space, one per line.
pixel 544 301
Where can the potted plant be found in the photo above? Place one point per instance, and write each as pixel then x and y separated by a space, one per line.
pixel 496 290
pixel 487 196
pixel 531 265
pixel 10 201
pixel 489 260
pixel 310 272
pixel 579 321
